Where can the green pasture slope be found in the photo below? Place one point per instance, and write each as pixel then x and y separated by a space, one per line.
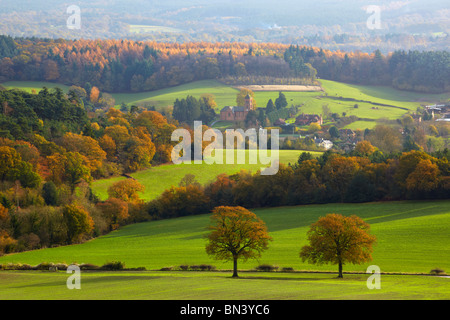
pixel 28 86
pixel 160 178
pixel 368 98
pixel 412 237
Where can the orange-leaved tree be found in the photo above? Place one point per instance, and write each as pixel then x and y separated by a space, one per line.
pixel 126 190
pixel 236 233
pixel 338 239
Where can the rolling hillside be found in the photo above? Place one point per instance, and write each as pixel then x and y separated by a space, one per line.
pixel 395 103
pixel 400 227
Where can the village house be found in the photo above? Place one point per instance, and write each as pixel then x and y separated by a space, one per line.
pixel 347 133
pixel 307 119
pixel 326 144
pixel 237 113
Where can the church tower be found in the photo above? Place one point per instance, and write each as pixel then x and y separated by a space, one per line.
pixel 248 103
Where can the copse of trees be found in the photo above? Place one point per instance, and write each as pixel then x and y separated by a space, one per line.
pixel 190 109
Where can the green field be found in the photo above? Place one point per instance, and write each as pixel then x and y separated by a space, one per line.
pixel 38 285
pixel 411 236
pixel 28 86
pixel 160 178
pixel 361 125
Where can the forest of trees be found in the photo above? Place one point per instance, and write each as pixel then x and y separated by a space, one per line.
pixel 134 66
pixel 52 148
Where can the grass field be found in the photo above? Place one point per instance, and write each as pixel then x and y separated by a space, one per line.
pixel 411 237
pixel 160 178
pixel 28 86
pixel 217 286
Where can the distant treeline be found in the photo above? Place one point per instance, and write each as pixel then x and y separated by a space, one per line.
pixel 427 71
pixel 134 66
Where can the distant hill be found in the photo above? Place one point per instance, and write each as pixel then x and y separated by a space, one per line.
pixel 330 24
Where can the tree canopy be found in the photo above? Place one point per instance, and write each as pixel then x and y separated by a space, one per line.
pixel 338 239
pixel 236 233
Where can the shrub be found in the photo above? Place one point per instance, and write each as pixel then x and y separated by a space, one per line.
pixel 44 266
pixel 207 267
pixel 266 268
pixel 437 271
pixel 194 268
pixel 167 269
pixel 61 266
pixel 184 267
pixel 16 266
pixel 287 269
pixel 88 266
pixel 113 265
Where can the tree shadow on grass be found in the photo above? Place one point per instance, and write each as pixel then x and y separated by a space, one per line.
pixel 279 278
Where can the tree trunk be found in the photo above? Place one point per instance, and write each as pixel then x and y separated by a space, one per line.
pixel 235 274
pixel 340 270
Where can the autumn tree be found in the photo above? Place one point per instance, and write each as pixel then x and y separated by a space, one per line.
pixel 12 168
pixel 7 243
pixel 338 239
pixel 87 147
pixel 118 133
pixel 126 190
pixel 314 127
pixel 94 95
pixel 138 151
pixel 424 178
pixel 9 158
pixel 69 167
pixel 79 222
pixel 236 233
pixel 115 211
pixel 385 138
pixel 364 148
pixel 109 146
pixel 240 97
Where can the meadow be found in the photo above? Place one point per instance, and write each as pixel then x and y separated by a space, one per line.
pixel 162 177
pixel 412 237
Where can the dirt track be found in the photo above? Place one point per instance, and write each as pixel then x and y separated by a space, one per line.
pixel 282 88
